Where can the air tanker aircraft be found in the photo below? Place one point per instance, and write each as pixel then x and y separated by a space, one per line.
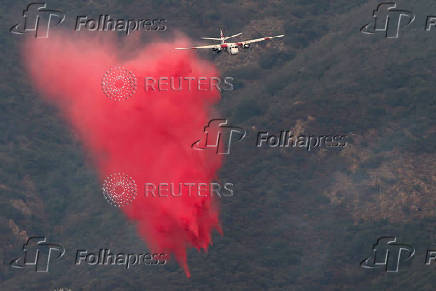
pixel 231 48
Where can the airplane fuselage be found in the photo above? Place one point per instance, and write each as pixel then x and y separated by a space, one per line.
pixel 231 48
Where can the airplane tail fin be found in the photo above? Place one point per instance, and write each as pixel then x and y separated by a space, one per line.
pixel 222 38
pixel 235 35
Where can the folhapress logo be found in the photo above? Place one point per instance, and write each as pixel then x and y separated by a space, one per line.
pixel 216 129
pixel 214 134
pixel 387 254
pixel 37 18
pixel 388 19
pixel 38 253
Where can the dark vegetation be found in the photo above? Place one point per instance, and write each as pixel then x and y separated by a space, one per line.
pixel 281 230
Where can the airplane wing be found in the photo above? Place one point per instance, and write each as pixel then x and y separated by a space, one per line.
pixel 260 39
pixel 200 47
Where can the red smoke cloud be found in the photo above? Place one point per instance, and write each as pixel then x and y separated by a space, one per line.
pixel 148 136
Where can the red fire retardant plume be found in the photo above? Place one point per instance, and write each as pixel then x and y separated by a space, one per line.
pixel 148 136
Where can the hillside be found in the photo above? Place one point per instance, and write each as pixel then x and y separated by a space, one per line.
pixel 299 220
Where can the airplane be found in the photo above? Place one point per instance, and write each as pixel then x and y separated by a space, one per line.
pixel 231 48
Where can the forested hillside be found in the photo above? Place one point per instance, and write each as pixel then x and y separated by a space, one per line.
pixel 298 220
